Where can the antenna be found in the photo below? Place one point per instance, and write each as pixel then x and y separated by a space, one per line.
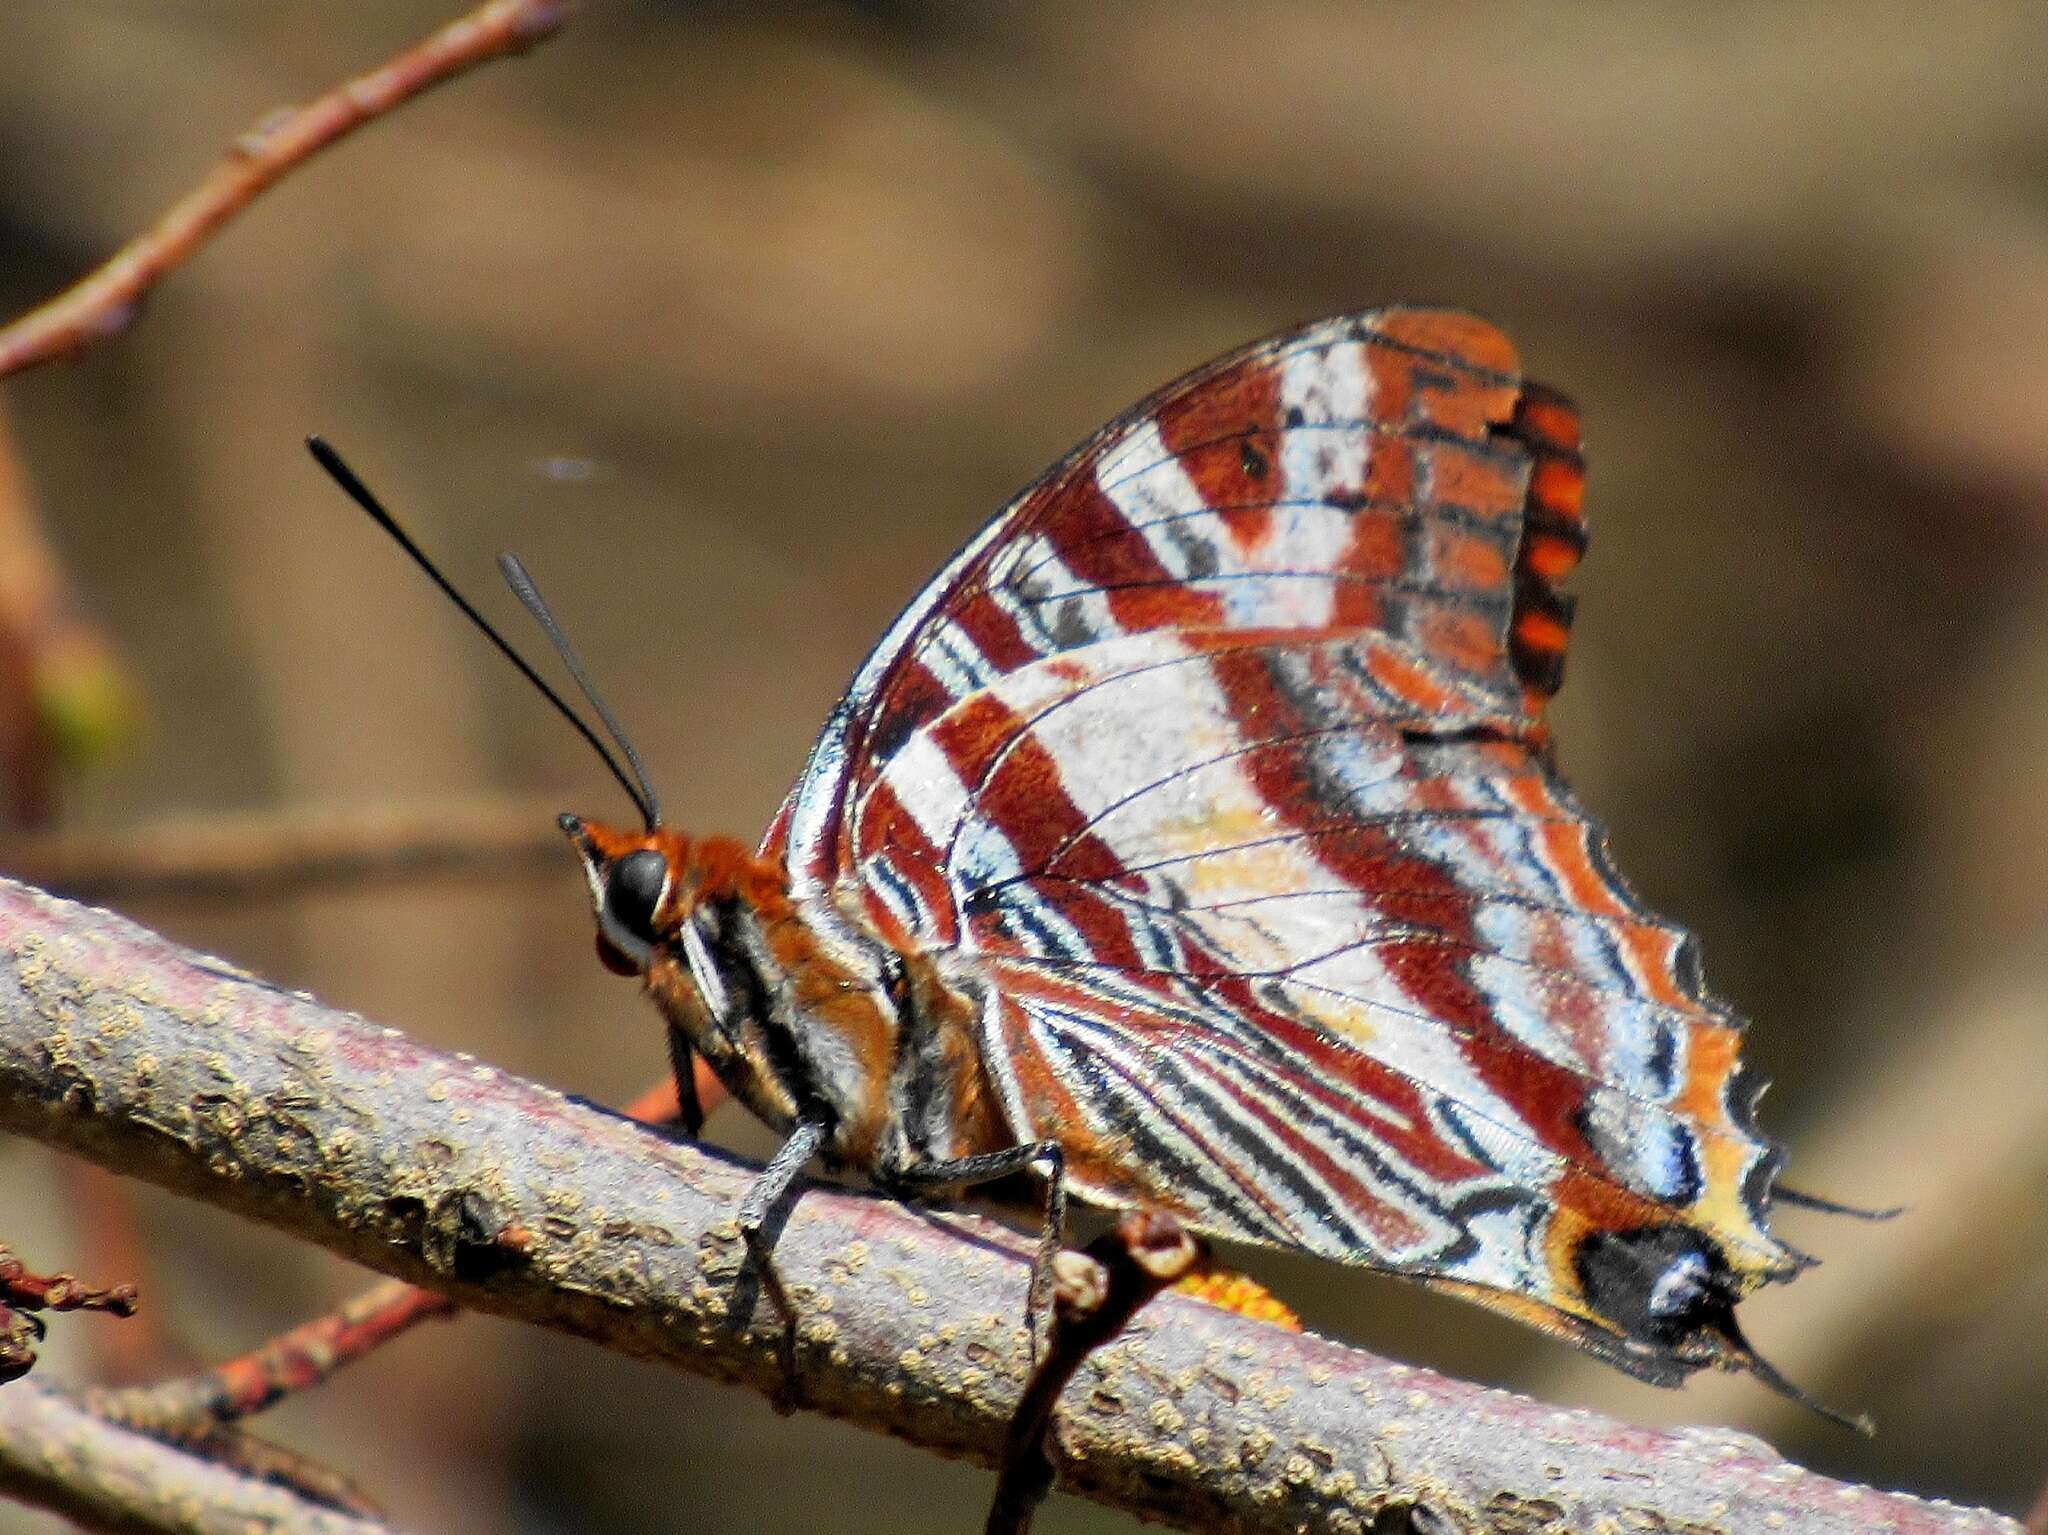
pixel 635 787
pixel 529 595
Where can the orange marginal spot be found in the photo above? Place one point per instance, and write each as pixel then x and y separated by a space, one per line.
pixel 1558 484
pixel 1567 854
pixel 1564 839
pixel 1541 632
pixel 1549 557
pixel 1709 1057
pixel 1720 1207
pixel 1568 1227
pixel 1232 1291
pixel 1543 415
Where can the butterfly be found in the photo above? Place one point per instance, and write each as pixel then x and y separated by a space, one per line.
pixel 1195 842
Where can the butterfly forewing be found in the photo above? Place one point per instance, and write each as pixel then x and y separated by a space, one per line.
pixel 1215 768
pixel 1348 472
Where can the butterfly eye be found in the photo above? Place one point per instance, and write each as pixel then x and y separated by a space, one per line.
pixel 632 891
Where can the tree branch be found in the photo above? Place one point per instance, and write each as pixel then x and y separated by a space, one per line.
pixel 119 1046
pixel 105 302
pixel 194 1405
pixel 57 1454
pixel 255 853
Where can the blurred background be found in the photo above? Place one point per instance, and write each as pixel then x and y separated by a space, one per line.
pixel 736 319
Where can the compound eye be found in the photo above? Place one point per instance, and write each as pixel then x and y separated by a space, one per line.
pixel 632 891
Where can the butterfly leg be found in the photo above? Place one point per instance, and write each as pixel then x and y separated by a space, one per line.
pixel 1042 1159
pixel 765 1204
pixel 682 1061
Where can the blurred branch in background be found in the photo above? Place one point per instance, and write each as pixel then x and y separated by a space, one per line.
pixel 274 852
pixel 106 302
pixel 194 1405
pixel 121 1047
pixel 56 1453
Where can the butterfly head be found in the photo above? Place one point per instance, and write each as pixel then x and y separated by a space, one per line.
pixel 671 910
pixel 642 889
pixel 663 902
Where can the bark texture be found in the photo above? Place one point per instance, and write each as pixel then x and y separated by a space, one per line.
pixel 120 1046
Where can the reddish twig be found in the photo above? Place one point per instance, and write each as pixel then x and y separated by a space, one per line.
pixel 104 303
pixel 1095 1295
pixel 199 1412
pixel 24 1293
pixel 658 1105
pixel 194 1405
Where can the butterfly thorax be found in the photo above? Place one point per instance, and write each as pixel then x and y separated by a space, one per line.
pixel 797 1010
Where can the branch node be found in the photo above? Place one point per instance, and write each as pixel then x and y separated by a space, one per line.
pixel 24 1292
pixel 1095 1295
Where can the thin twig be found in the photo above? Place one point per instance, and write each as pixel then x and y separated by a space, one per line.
pixel 119 1046
pixel 1095 1295
pixel 29 1291
pixel 106 301
pixel 194 1405
pixel 24 1292
pixel 266 852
